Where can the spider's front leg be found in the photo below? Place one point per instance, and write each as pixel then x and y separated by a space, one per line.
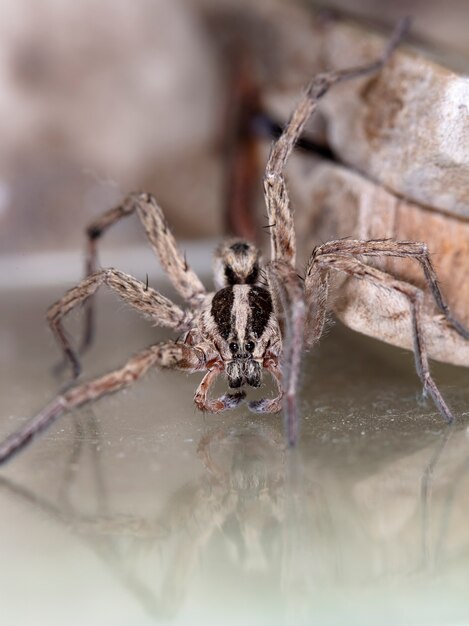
pixel 141 297
pixel 288 298
pixel 279 210
pixel 281 273
pixel 169 355
pixel 150 214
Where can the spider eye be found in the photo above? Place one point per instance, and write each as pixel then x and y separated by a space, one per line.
pixel 250 346
pixel 233 347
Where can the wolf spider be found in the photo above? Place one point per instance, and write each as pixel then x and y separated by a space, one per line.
pixel 260 317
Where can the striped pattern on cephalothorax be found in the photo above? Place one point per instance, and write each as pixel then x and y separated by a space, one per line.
pixel 242 326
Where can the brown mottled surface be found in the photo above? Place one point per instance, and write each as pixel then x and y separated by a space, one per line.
pixel 332 202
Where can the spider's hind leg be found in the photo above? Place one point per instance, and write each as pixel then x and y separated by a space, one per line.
pixel 321 265
pixel 400 249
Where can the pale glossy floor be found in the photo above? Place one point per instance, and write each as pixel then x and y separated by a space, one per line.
pixel 138 510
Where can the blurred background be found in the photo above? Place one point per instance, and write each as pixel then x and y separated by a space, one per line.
pixel 102 98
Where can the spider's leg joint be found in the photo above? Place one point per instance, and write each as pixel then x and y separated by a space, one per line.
pixel 94 232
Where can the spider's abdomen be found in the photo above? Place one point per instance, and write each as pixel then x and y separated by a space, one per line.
pixel 236 262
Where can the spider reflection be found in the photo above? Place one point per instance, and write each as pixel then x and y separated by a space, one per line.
pixel 300 523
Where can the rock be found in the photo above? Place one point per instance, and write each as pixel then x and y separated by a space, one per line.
pixel 332 202
pixel 406 127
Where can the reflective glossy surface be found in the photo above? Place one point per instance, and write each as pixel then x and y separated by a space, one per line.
pixel 140 510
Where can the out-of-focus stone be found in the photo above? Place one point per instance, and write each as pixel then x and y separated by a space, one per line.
pixel 332 202
pixel 406 127
pixel 112 85
pixel 99 99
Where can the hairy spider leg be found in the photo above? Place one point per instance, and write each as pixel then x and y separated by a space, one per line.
pixel 280 216
pixel 142 298
pixel 402 249
pixel 184 279
pixel 289 304
pixel 169 355
pixel 325 263
pixel 279 209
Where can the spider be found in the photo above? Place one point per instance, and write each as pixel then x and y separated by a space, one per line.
pixel 261 317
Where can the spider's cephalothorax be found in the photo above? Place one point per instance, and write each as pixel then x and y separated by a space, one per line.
pixel 241 312
pixel 239 322
pixel 245 328
pixel 260 316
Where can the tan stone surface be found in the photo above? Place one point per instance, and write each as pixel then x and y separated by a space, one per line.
pixel 332 202
pixel 407 127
